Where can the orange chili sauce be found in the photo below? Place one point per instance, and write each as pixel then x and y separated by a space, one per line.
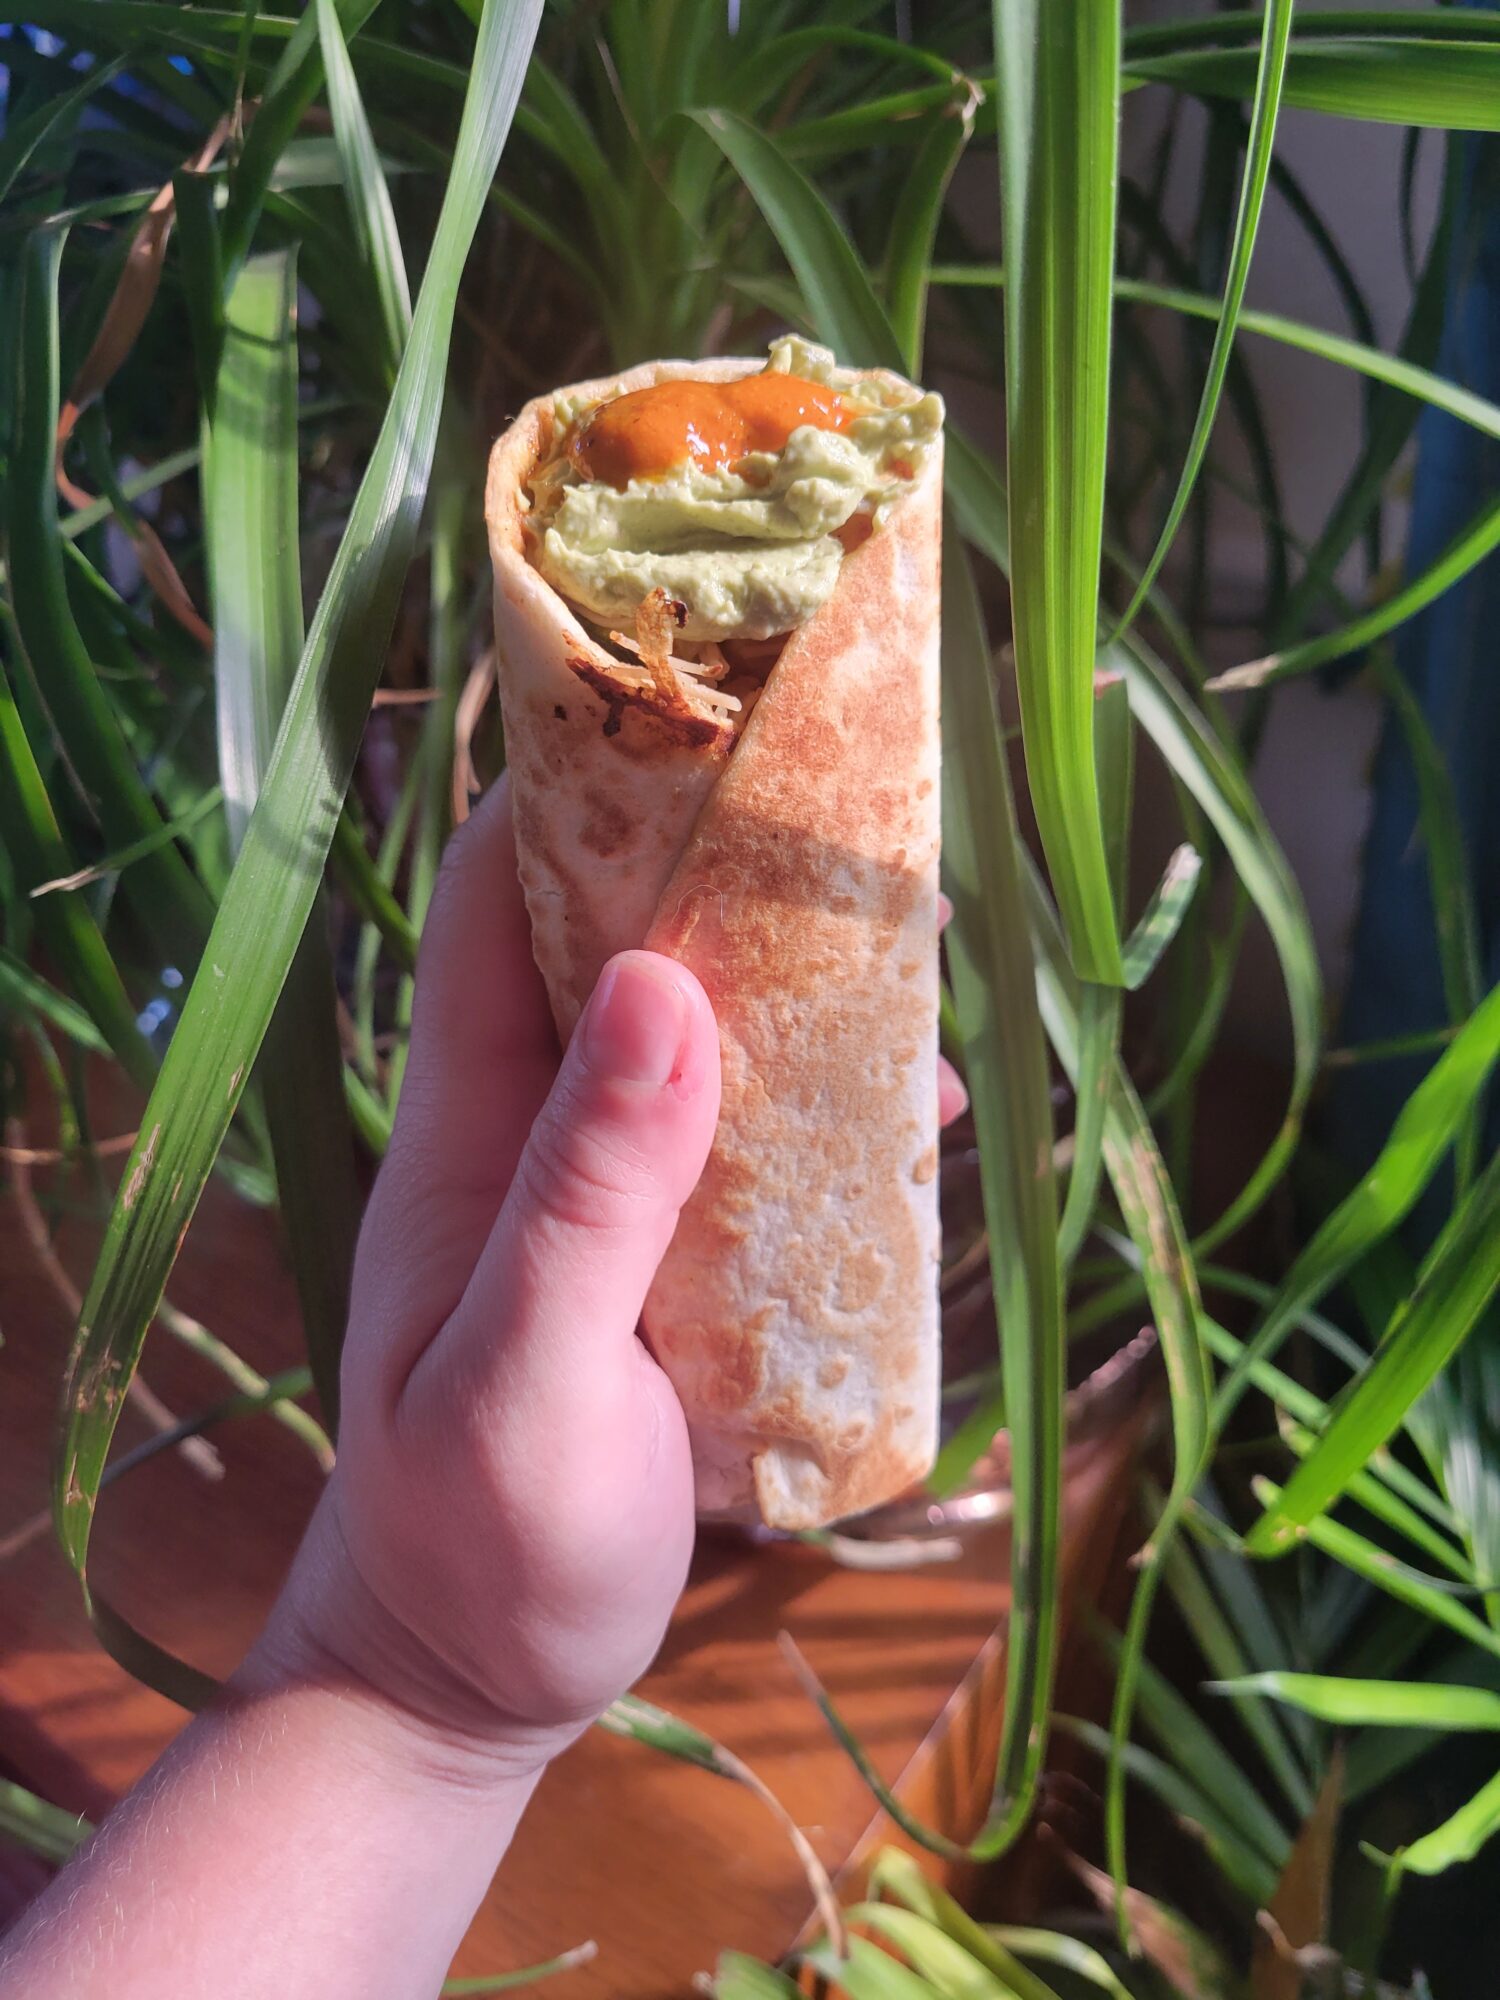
pixel 649 432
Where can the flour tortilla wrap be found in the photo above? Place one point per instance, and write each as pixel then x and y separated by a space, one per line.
pixel 790 860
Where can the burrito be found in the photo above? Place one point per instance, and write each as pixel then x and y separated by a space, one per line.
pixel 716 625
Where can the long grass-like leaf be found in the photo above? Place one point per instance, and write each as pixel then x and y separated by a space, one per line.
pixel 288 91
pixel 25 136
pixel 1395 1578
pixel 1005 1061
pixel 250 494
pixel 1398 80
pixel 1234 1631
pixel 914 225
pixel 658 1729
pixel 994 998
pixel 1455 916
pixel 897 1876
pixel 1234 25
pixel 1425 1128
pixel 1476 540
pixel 34 1824
pixel 739 1978
pixel 1270 69
pixel 171 903
pixel 364 183
pixel 1162 917
pixel 950 1966
pixel 1457 1281
pixel 1185 1740
pixel 275 881
pixel 1242 1864
pixel 527 1975
pixel 1058 1948
pixel 1058 84
pixel 1214 777
pixel 840 299
pixel 1379 1704
pixel 1100 1008
pixel 1149 1207
pixel 1465 404
pixel 36 852
pixel 1404 1705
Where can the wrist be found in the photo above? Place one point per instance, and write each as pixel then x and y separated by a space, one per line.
pixel 329 1631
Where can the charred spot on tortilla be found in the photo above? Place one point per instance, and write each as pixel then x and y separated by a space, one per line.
pixel 686 727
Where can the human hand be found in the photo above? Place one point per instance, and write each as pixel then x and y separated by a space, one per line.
pixel 511 1518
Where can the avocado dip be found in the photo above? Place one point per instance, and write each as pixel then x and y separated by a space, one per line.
pixel 737 499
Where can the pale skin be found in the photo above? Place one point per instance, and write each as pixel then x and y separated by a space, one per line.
pixel 506 1532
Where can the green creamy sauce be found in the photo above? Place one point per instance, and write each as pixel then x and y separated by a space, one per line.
pixel 750 552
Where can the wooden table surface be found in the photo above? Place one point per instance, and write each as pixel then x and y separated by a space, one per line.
pixel 661 1864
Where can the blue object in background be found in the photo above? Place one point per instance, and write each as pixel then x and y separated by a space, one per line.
pixel 1449 657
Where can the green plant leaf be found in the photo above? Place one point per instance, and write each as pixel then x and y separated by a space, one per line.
pixel 1368 1492
pixel 364 183
pixel 168 899
pixel 658 1729
pixel 1242 1864
pixel 1378 1704
pixel 1425 1128
pixel 868 1973
pixel 251 515
pixel 1398 80
pixel 1005 1062
pixel 528 1975
pixel 1231 25
pixel 1270 70
pixel 949 1970
pixel 285 96
pixel 1214 776
pixel 370 893
pixel 37 1826
pixel 1457 1840
pixel 1404 1705
pixel 1459 950
pixel 740 1978
pixel 1149 1207
pixel 275 880
pixel 1058 1948
pixel 1307 1409
pixel 1057 94
pixel 840 299
pixel 26 135
pixel 1185 1740
pixel 1162 917
pixel 1219 1599
pixel 1397 1579
pixel 1468 548
pixel 26 992
pixel 896 1874
pixel 1100 1008
pixel 1458 1279
pixel 1393 369
pixel 914 225
pixel 34 846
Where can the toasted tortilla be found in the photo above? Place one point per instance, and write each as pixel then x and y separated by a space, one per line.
pixel 791 862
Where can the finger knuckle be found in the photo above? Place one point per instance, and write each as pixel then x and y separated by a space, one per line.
pixel 588 1175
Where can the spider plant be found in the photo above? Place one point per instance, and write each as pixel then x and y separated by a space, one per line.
pixel 224 788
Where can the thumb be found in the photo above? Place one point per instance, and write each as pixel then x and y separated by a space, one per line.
pixel 614 1153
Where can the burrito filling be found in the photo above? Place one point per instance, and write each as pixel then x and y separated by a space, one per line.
pixel 732 502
